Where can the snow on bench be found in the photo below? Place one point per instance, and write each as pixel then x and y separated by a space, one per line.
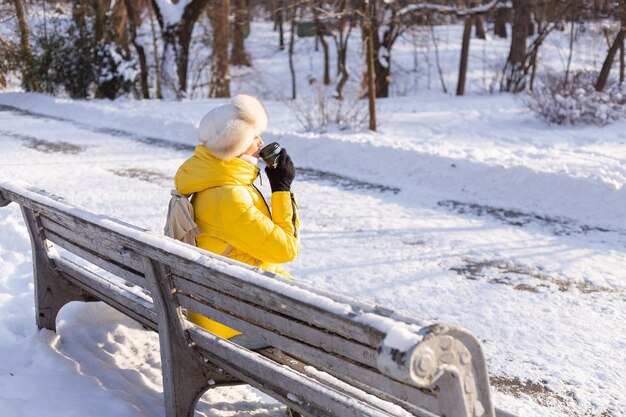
pixel 330 355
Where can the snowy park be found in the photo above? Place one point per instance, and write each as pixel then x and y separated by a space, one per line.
pixel 469 210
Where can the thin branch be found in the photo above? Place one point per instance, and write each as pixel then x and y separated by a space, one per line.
pixel 427 8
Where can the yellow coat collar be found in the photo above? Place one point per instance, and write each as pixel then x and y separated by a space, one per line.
pixel 203 170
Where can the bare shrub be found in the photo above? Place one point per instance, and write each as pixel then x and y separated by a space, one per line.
pixel 321 111
pixel 575 101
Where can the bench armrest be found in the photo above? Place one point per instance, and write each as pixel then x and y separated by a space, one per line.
pixel 446 359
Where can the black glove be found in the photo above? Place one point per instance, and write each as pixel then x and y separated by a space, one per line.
pixel 282 176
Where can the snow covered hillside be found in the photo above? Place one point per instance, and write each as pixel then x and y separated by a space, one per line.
pixel 468 211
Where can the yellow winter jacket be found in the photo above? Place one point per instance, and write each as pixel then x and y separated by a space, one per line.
pixel 234 219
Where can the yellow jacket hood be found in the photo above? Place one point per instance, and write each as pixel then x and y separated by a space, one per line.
pixel 203 171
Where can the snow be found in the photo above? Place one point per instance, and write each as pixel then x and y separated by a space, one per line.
pixel 503 224
pixel 400 338
pixel 171 12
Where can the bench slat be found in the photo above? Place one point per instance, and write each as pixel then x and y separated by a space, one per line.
pixel 286 304
pixel 273 321
pixel 280 382
pixel 363 392
pixel 99 261
pixel 336 366
pixel 364 306
pixel 110 292
pixel 97 244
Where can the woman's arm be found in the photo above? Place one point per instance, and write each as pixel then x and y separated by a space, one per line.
pixel 275 240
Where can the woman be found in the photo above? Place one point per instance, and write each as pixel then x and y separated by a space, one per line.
pixel 234 218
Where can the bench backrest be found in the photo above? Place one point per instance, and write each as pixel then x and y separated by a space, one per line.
pixel 342 349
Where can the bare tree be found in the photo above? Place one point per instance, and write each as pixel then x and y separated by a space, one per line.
pixel 155 52
pixel 467 31
pixel 617 43
pixel 368 34
pixel 341 35
pixel 279 17
pixel 133 18
pixel 292 40
pixel 471 13
pixel 176 27
pixel 621 63
pixel 513 73
pixel 520 67
pixel 386 26
pixel 220 77
pixel 479 25
pixel 321 31
pixel 499 26
pixel 29 79
pixel 572 37
pixel 238 54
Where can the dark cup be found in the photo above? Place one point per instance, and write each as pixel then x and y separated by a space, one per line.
pixel 269 153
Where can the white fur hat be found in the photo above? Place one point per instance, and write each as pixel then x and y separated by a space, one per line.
pixel 228 130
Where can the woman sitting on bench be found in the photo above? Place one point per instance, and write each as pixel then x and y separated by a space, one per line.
pixel 234 219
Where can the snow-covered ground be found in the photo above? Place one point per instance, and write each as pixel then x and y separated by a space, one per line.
pixel 468 211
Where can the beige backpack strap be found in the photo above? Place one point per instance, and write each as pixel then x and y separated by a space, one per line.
pixel 180 223
pixel 228 250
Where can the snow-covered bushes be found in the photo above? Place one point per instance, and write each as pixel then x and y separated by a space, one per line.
pixel 321 111
pixel 576 100
pixel 68 58
pixel 115 74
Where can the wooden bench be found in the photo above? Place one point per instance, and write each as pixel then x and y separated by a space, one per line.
pixel 330 356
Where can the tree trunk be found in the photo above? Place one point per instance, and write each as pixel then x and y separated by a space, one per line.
pixel 572 36
pixel 141 54
pixel 531 24
pixel 382 48
pixel 521 22
pixel 119 26
pixel 341 42
pixel 280 13
pixel 621 63
pixel 343 72
pixel 155 51
pixel 608 62
pixel 533 66
pixel 369 42
pixel 292 39
pixel 460 88
pixel 479 23
pixel 238 54
pixel 321 31
pixel 4 49
pixel 220 77
pixel 29 78
pixel 326 60
pixel 437 60
pixel 617 43
pixel 514 72
pixel 99 21
pixel 499 27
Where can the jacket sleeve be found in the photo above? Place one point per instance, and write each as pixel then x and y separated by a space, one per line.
pixel 276 239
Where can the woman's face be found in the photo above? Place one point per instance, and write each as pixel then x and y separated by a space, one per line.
pixel 255 148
